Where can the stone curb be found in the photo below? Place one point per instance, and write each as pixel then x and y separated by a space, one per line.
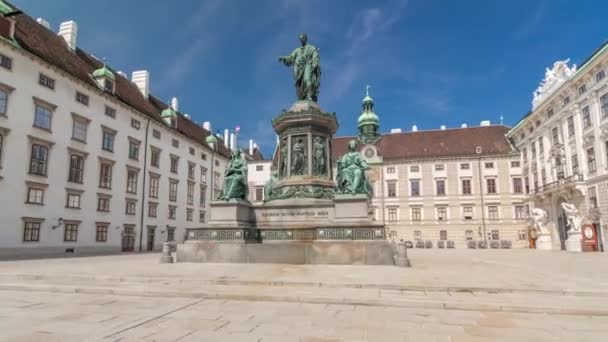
pixel 415 288
pixel 307 299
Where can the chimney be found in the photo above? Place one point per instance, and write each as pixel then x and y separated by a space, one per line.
pixel 395 130
pixel 232 141
pixel 175 104
pixel 187 116
pixel 68 30
pixel 442 127
pixel 122 73
pixel 414 128
pixel 485 123
pixel 141 78
pixel 207 125
pixel 250 147
pixel 227 137
pixel 43 23
pixel 464 125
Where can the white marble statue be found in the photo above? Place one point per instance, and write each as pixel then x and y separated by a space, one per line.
pixel 539 220
pixel 554 78
pixel 573 217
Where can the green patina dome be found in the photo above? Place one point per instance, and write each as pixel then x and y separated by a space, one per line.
pixel 168 112
pixel 104 72
pixel 211 139
pixel 368 118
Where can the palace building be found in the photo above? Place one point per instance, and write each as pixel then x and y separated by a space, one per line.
pixel 90 160
pixel 564 147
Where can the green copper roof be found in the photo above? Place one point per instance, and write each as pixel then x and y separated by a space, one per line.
pixel 4 8
pixel 367 98
pixel 104 72
pixel 211 139
pixel 368 118
pixel 168 112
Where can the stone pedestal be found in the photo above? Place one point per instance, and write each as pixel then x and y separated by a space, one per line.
pixel 543 242
pixel 401 259
pixel 166 257
pixel 231 214
pixel 352 209
pixel 574 243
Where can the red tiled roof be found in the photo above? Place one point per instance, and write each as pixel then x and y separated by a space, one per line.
pixel 456 142
pixel 51 48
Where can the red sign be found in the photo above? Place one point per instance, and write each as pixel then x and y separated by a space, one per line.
pixel 590 243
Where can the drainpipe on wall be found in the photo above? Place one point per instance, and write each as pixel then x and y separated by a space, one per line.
pixel 143 188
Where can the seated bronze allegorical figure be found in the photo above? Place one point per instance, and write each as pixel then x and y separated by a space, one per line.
pixel 352 176
pixel 235 178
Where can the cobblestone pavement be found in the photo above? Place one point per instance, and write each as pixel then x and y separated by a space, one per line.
pixel 445 296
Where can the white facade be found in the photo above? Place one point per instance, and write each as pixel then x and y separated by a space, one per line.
pixel 40 203
pixel 564 146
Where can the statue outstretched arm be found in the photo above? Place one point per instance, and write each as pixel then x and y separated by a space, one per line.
pixel 289 59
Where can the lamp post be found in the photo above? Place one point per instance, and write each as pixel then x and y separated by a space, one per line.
pixel 211 141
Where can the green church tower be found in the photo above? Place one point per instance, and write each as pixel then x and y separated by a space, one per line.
pixel 368 123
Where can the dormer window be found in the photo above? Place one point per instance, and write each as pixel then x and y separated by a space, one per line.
pixel 105 79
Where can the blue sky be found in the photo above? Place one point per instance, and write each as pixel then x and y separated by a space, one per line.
pixel 429 62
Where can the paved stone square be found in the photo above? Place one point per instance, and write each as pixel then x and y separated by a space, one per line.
pixel 450 295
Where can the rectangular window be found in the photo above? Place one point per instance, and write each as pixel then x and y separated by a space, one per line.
pixel 154 157
pixel 3 101
pixel 391 189
pixel 555 135
pixel 42 117
pixel 191 170
pixel 203 196
pixel 203 175
pixel 443 235
pixel 174 163
pixel 135 124
pixel 154 183
pixel 132 181
pixel 515 164
pixel 491 185
pixel 392 214
pixel 439 167
pixel 6 62
pixel 170 233
pixel 489 165
pixel 70 233
pixel 259 168
pixel 133 149
pixel 105 175
pixel 586 117
pixel 35 196
pixel 604 105
pixel 440 187
pixel 79 130
pixel 417 235
pixel 416 214
pixel 82 98
pixel 414 168
pixel 465 166
pixel 107 143
pixel 520 212
pixel 101 233
pixel 415 187
pixel 493 212
pixel 467 213
pixel 566 100
pixel 172 211
pixel 469 235
pixel 175 143
pixel 111 112
pixel 73 201
pixel 442 213
pixel 570 126
pixel 466 187
pixel 517 185
pixel 550 113
pixel 201 216
pixel 172 190
pixel 600 75
pixel 495 235
pixel 390 169
pixel 591 165
pixel 190 194
pixel 582 89
pixel 191 151
pixel 130 209
pixel 39 160
pixel 189 215
pixel 103 204
pixel 592 195
pixel 76 168
pixel 46 81
pixel 574 160
pixel 156 133
pixel 203 156
pixel 152 209
pixel 31 232
pixel 259 194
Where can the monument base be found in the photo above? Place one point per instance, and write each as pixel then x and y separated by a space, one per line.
pixel 289 252
pixel 574 243
pixel 543 242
